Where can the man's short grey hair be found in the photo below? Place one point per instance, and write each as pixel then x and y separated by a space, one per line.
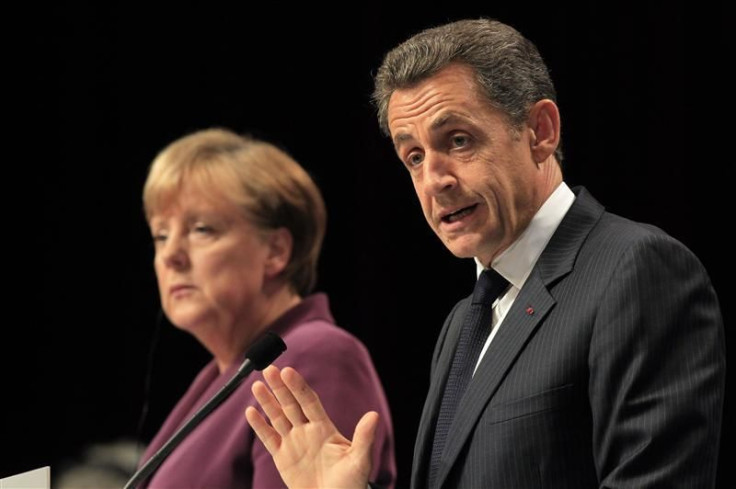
pixel 509 69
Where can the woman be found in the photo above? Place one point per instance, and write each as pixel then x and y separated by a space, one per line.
pixel 237 226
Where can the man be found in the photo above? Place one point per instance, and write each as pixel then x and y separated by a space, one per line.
pixel 600 364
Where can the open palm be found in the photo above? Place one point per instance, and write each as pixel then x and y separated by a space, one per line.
pixel 307 448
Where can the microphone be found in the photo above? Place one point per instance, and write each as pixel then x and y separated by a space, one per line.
pixel 259 356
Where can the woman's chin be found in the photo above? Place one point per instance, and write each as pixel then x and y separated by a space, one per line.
pixel 189 321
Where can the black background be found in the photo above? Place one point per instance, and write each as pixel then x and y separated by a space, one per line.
pixel 96 92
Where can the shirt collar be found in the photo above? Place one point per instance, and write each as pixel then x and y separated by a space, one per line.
pixel 517 261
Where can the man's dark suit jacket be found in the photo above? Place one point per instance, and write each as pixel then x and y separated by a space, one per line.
pixel 608 371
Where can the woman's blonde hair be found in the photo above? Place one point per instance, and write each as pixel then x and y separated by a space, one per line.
pixel 273 190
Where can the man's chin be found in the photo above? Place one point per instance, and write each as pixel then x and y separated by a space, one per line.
pixel 461 248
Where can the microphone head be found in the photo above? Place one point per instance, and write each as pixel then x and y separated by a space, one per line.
pixel 265 350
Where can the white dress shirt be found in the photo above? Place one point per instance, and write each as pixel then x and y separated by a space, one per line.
pixel 517 261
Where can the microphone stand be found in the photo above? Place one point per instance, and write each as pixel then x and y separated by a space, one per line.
pixel 264 351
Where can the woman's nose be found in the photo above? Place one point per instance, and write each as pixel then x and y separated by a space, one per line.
pixel 173 253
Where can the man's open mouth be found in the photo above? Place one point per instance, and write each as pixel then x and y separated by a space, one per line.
pixel 459 214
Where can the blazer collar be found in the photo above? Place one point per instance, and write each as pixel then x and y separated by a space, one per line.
pixel 559 256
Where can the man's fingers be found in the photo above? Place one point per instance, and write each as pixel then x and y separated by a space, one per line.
pixel 283 394
pixel 365 433
pixel 272 408
pixel 311 406
pixel 290 400
pixel 268 436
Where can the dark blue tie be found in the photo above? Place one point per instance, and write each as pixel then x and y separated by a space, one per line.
pixel 476 328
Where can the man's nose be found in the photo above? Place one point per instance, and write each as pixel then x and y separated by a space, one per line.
pixel 438 172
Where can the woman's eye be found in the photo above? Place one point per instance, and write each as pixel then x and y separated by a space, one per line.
pixel 203 229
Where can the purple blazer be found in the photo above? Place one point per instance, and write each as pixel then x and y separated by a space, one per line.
pixel 223 451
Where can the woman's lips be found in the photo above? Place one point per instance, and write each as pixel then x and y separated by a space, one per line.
pixel 180 289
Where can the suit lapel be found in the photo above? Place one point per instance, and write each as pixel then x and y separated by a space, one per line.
pixel 501 354
pixel 525 316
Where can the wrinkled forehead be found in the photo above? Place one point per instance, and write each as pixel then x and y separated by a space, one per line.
pixel 453 85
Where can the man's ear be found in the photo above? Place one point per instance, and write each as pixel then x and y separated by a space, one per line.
pixel 280 244
pixel 544 122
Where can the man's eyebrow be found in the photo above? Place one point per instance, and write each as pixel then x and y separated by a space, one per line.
pixel 402 137
pixel 442 120
pixel 447 118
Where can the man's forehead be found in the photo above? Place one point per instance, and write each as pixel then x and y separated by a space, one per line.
pixel 453 84
pixel 437 121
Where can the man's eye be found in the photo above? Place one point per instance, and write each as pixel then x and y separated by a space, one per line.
pixel 414 159
pixel 458 141
pixel 159 237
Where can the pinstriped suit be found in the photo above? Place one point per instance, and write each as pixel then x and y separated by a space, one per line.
pixel 616 379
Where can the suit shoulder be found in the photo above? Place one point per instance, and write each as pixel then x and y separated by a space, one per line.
pixel 618 244
pixel 628 248
pixel 614 231
pixel 613 224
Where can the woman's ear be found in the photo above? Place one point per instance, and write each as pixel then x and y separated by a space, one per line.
pixel 544 122
pixel 280 244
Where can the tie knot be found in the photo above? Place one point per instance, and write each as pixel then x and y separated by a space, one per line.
pixel 489 286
